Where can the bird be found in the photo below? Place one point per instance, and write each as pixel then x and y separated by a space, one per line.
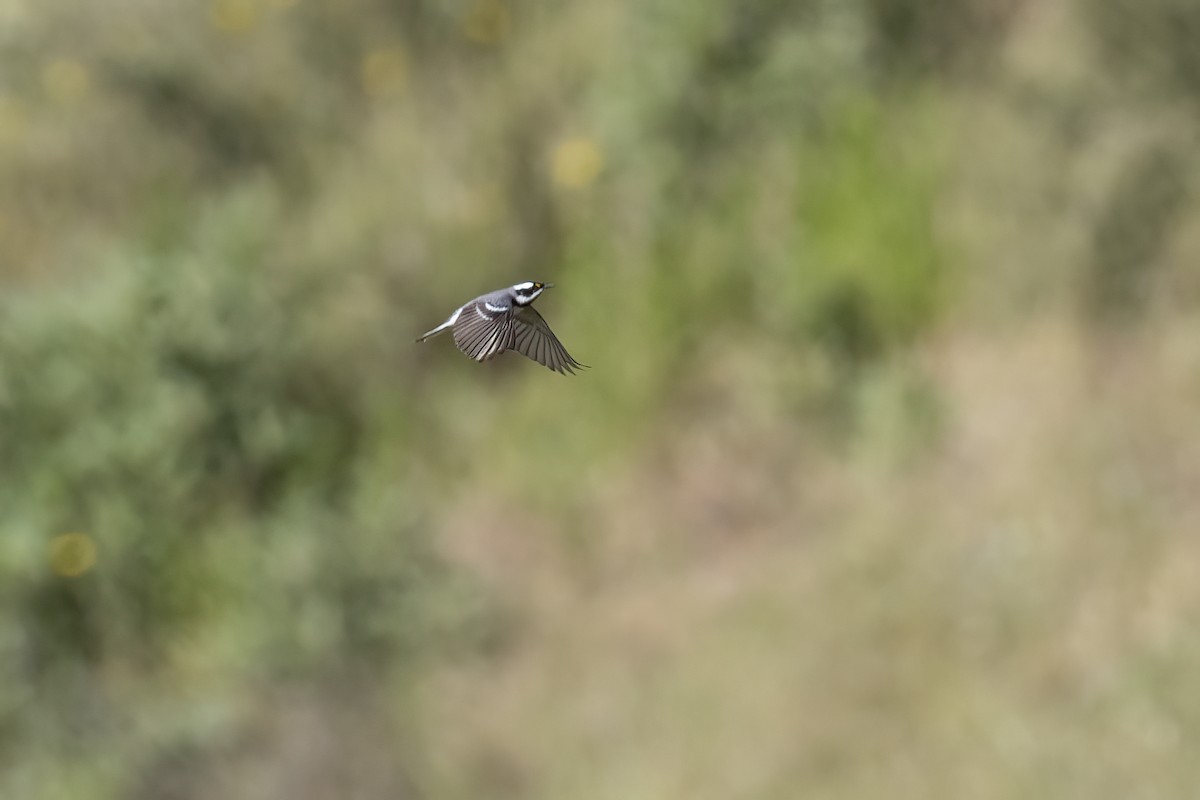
pixel 506 320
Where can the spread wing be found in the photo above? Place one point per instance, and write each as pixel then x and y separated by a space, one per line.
pixel 532 338
pixel 483 331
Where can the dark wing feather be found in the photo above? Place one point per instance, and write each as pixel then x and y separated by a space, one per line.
pixel 532 338
pixel 482 333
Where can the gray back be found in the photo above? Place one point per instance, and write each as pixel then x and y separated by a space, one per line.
pixel 501 298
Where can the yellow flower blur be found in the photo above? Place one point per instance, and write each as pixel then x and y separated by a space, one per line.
pixel 486 22
pixel 72 554
pixel 233 16
pixel 384 72
pixel 65 80
pixel 577 162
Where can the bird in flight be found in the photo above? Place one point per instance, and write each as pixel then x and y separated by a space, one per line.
pixel 506 320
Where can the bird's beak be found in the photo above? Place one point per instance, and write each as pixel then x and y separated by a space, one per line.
pixel 548 286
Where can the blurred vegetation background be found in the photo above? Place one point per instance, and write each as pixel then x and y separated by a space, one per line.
pixel 883 482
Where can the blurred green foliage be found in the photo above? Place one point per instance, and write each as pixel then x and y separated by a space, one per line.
pixel 253 541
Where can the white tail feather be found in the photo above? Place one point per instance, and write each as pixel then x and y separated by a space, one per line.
pixel 447 324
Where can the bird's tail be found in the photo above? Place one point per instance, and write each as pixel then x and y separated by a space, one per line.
pixel 435 331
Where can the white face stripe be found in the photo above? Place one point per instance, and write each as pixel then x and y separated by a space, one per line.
pixel 525 293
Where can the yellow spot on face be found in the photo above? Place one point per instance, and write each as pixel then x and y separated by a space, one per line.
pixel 233 16
pixel 65 80
pixel 72 554
pixel 487 21
pixel 577 162
pixel 384 72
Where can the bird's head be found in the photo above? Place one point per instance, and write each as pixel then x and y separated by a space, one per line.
pixel 525 293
